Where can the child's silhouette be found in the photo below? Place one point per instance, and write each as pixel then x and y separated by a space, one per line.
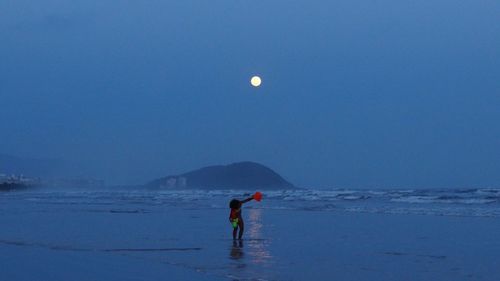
pixel 235 217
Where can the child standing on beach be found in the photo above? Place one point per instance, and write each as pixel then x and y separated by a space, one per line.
pixel 235 217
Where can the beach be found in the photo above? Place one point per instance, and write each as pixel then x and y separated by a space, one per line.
pixel 112 235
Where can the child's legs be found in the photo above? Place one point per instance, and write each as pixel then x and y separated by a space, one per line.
pixel 235 229
pixel 241 226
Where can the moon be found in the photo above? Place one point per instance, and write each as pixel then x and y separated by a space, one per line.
pixel 256 81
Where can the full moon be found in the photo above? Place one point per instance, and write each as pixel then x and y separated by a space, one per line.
pixel 255 81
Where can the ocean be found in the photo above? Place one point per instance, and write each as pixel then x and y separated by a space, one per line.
pixel 306 234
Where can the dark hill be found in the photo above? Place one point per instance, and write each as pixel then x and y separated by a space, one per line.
pixel 242 175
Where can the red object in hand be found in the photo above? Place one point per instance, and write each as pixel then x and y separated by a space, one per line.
pixel 257 196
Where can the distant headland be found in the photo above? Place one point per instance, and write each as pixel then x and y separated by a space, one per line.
pixel 241 175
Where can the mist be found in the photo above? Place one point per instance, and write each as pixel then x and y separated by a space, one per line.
pixel 354 94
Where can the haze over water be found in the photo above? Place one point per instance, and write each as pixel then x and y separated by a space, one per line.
pixel 356 93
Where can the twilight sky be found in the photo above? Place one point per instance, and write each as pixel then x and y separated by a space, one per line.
pixel 372 93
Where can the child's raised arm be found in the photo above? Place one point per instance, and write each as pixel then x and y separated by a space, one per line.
pixel 246 200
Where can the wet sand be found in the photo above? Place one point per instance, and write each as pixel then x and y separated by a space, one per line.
pixel 136 242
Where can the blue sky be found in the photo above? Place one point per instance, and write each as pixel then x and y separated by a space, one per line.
pixel 355 93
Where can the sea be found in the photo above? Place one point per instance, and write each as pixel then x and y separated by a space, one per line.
pixel 473 202
pixel 302 234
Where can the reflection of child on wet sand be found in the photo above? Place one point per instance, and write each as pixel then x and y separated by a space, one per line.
pixel 237 250
pixel 235 216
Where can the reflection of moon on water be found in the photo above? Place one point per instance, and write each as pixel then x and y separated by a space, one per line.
pixel 258 247
pixel 250 259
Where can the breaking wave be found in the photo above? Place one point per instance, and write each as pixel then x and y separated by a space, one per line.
pixel 445 202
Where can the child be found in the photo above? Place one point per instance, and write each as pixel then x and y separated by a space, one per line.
pixel 235 217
